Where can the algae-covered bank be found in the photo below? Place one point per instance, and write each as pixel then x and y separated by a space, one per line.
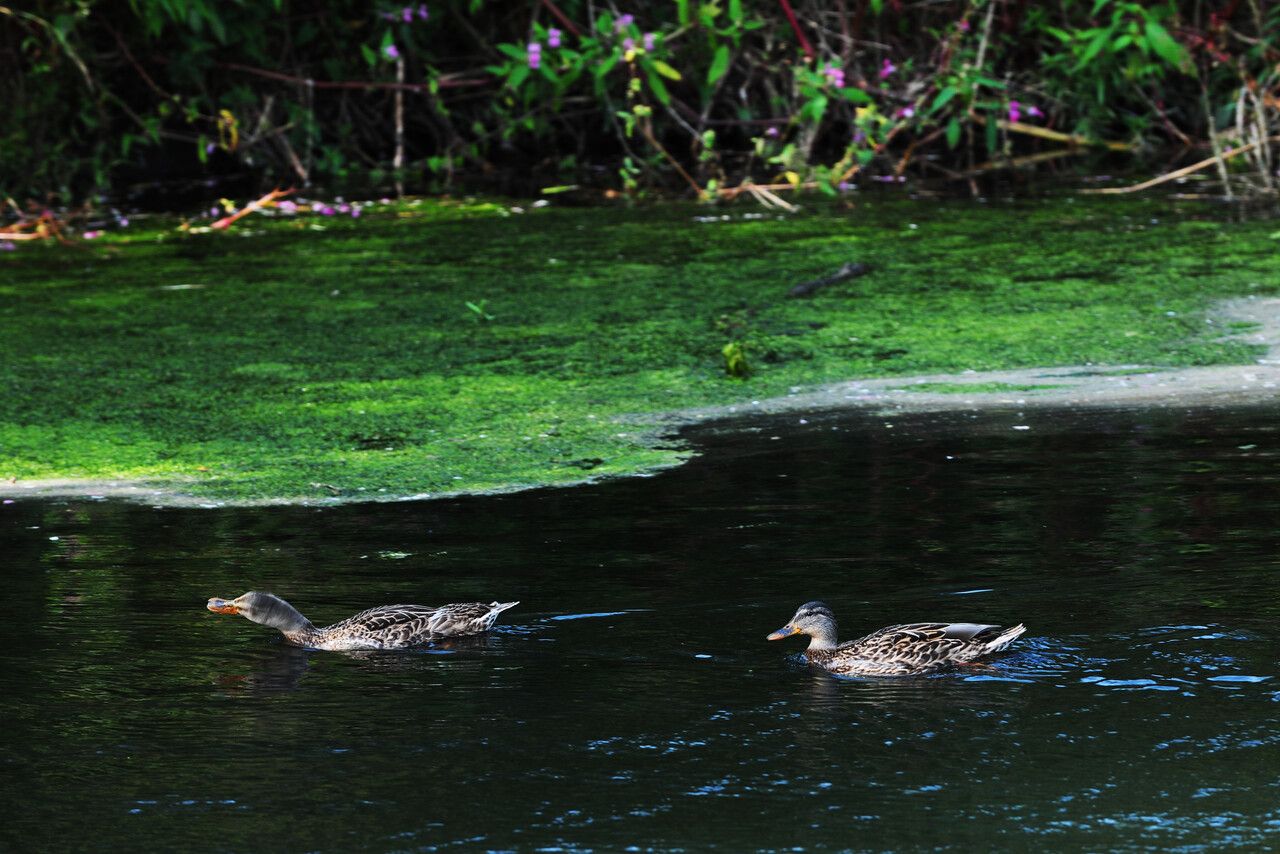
pixel 435 347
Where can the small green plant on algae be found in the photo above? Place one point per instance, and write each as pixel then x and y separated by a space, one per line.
pixel 735 359
pixel 478 310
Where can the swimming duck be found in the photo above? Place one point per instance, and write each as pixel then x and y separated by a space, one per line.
pixel 384 627
pixel 894 650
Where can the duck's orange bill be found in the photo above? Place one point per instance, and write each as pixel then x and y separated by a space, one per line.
pixel 222 606
pixel 784 632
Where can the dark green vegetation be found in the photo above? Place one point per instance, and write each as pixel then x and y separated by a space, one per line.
pixel 694 94
pixel 308 364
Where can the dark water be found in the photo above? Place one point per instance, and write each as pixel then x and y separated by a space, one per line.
pixel 631 699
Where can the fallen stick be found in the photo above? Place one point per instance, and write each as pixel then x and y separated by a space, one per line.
pixel 1056 136
pixel 1179 173
pixel 848 271
pixel 227 221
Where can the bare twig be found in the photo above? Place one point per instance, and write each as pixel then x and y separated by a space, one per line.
pixel 1184 171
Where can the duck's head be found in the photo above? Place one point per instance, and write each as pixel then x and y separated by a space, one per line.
pixel 266 609
pixel 813 619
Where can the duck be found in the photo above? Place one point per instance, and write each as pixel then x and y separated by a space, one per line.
pixel 384 627
pixel 901 650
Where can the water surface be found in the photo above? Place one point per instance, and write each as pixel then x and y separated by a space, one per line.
pixel 631 699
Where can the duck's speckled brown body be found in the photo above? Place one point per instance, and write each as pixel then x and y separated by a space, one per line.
pixel 384 627
pixel 899 650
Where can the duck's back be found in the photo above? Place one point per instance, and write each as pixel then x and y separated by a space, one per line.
pixel 915 648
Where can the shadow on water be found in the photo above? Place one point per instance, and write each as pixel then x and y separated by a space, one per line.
pixel 632 700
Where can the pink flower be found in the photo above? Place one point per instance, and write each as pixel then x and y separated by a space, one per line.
pixel 649 40
pixel 623 22
pixel 1015 111
pixel 326 211
pixel 834 75
pixel 355 213
pixel 391 51
pixel 771 132
pixel 7 246
pixel 887 68
pixel 964 26
pixel 288 206
pixel 628 44
pixel 534 54
pixel 553 38
pixel 92 235
pixel 422 12
pixel 906 112
pixel 406 15
pixel 1034 112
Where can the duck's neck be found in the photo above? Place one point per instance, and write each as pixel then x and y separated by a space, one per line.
pixel 280 615
pixel 822 638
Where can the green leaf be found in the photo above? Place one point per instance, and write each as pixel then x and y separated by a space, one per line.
pixel 1098 43
pixel 944 96
pixel 814 109
pixel 508 49
pixel 369 56
pixel 719 65
pixel 992 141
pixel 682 12
pixel 856 95
pixel 1164 45
pixel 666 70
pixel 953 133
pixel 518 75
pixel 735 11
pixel 659 88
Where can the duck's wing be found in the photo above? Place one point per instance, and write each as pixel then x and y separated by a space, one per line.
pixel 385 626
pixel 921 646
pixel 467 618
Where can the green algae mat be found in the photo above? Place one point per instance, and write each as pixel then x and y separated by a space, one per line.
pixel 435 347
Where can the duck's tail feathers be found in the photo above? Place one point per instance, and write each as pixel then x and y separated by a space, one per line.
pixel 1005 638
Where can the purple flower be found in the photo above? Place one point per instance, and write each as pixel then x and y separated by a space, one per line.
pixel 887 68
pixel 771 132
pixel 326 211
pixel 288 206
pixel 628 44
pixel 123 222
pixel 623 22
pixel 649 40
pixel 534 54
pixel 906 112
pixel 844 186
pixel 422 12
pixel 964 26
pixel 7 246
pixel 8 501
pixel 92 235
pixel 859 137
pixel 391 51
pixel 1015 111
pixel 344 208
pixel 210 147
pixel 213 211
pixel 1034 112
pixel 553 38
pixel 355 213
pixel 834 75
pixel 406 14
